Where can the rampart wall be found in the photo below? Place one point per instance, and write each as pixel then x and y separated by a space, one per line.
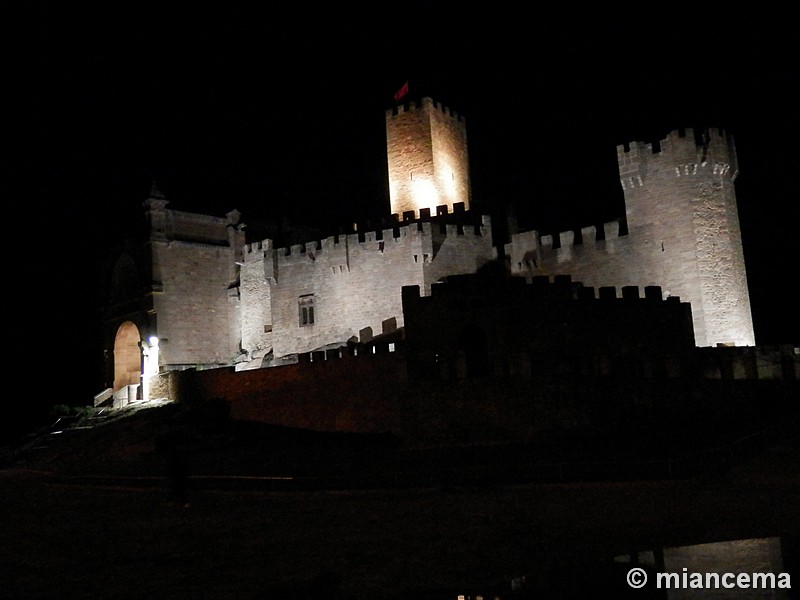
pixel 321 395
pixel 355 281
pixel 372 393
pixel 554 327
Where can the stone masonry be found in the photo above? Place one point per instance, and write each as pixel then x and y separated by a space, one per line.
pixel 680 231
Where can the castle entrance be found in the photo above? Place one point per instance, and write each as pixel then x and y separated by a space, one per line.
pixel 127 363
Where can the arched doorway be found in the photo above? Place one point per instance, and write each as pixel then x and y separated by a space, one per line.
pixel 127 362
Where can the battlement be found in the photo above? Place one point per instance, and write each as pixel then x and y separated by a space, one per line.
pixel 167 225
pixel 257 250
pixel 560 287
pixel 441 213
pixel 423 103
pixel 372 351
pixel 582 237
pixel 569 319
pixel 459 223
pixel 683 153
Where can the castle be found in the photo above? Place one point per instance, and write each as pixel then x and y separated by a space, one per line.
pixel 198 294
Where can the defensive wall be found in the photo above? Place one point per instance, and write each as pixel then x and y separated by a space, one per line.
pixel 352 280
pixel 368 390
pixel 491 324
pixel 680 231
pixel 598 359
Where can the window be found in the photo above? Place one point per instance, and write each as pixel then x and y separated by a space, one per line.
pixel 306 306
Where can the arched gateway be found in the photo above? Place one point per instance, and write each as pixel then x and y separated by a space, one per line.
pixel 127 364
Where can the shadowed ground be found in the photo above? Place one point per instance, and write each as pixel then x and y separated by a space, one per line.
pixel 93 517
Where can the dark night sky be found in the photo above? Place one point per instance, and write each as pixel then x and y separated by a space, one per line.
pixel 277 118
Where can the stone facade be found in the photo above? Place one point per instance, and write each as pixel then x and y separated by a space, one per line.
pixel 352 281
pixel 428 159
pixel 177 292
pixel 213 299
pixel 680 231
pixel 194 273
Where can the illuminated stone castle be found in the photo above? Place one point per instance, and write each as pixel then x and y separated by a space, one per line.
pixel 197 294
pixel 680 231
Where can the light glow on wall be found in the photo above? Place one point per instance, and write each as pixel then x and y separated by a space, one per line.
pixel 424 195
pixel 150 365
pixel 447 182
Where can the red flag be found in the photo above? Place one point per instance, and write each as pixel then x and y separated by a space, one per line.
pixel 398 95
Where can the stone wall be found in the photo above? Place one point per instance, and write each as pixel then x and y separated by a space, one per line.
pixel 196 309
pixel 344 393
pixel 373 393
pixel 428 162
pixel 681 232
pixel 355 281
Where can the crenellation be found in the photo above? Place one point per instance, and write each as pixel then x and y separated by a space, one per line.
pixel 630 292
pixel 588 238
pixel 682 152
pixel 607 292
pixel 329 243
pixel 256 250
pixel 653 292
pixel 611 229
pixel 563 287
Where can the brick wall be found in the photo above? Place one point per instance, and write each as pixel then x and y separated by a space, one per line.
pixel 428 162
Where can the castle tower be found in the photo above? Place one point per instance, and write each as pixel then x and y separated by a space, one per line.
pixel 427 156
pixel 682 215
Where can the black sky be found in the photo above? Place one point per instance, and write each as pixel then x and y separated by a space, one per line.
pixel 231 108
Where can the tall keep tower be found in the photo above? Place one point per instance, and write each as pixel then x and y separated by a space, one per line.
pixel 681 208
pixel 427 156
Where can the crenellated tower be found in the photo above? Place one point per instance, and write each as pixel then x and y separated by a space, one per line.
pixel 427 157
pixel 681 211
pixel 680 232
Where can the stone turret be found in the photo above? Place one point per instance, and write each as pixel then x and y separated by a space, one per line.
pixel 680 201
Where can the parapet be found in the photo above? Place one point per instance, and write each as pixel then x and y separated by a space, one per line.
pixel 566 288
pixel 193 228
pixel 423 103
pixel 442 214
pixel 559 287
pixel 257 250
pixel 458 223
pixel 682 152
pixel 585 236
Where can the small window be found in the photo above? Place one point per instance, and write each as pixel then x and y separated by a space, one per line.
pixel 306 307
